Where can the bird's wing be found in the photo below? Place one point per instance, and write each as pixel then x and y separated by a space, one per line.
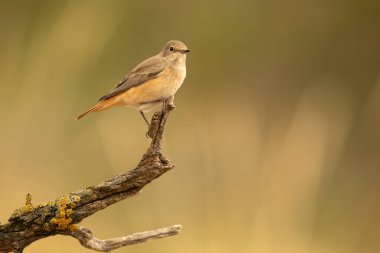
pixel 145 71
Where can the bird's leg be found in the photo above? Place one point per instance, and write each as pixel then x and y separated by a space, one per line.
pixel 143 115
pixel 164 106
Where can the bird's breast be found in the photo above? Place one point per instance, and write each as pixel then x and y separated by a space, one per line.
pixel 177 76
pixel 156 89
pixel 170 81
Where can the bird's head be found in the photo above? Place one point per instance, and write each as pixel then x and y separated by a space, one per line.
pixel 174 51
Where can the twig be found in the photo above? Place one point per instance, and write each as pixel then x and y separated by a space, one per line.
pixel 62 216
pixel 86 238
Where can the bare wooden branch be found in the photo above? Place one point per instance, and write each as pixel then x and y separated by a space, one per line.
pixel 86 238
pixel 62 216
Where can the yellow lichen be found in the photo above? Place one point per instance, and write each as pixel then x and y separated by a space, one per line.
pixel 69 212
pixel 28 201
pixel 46 204
pixel 73 227
pixel 23 210
pixel 63 220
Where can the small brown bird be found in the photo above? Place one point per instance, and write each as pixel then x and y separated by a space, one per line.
pixel 150 83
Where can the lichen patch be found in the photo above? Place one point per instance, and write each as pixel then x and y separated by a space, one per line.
pixel 65 205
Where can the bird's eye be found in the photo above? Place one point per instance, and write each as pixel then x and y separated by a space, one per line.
pixel 171 48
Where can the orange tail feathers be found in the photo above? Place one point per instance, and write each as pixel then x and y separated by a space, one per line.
pixel 92 109
pixel 102 105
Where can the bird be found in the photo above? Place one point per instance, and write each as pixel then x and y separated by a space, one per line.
pixel 150 83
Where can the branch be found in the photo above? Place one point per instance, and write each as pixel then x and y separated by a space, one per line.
pixel 87 240
pixel 62 216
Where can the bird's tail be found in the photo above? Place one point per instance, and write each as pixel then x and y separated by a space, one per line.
pixel 92 109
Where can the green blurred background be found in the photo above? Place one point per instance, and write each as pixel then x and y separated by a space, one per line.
pixel 276 134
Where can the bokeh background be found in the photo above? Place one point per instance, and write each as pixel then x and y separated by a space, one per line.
pixel 276 134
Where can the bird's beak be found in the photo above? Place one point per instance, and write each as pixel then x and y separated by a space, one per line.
pixel 184 51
